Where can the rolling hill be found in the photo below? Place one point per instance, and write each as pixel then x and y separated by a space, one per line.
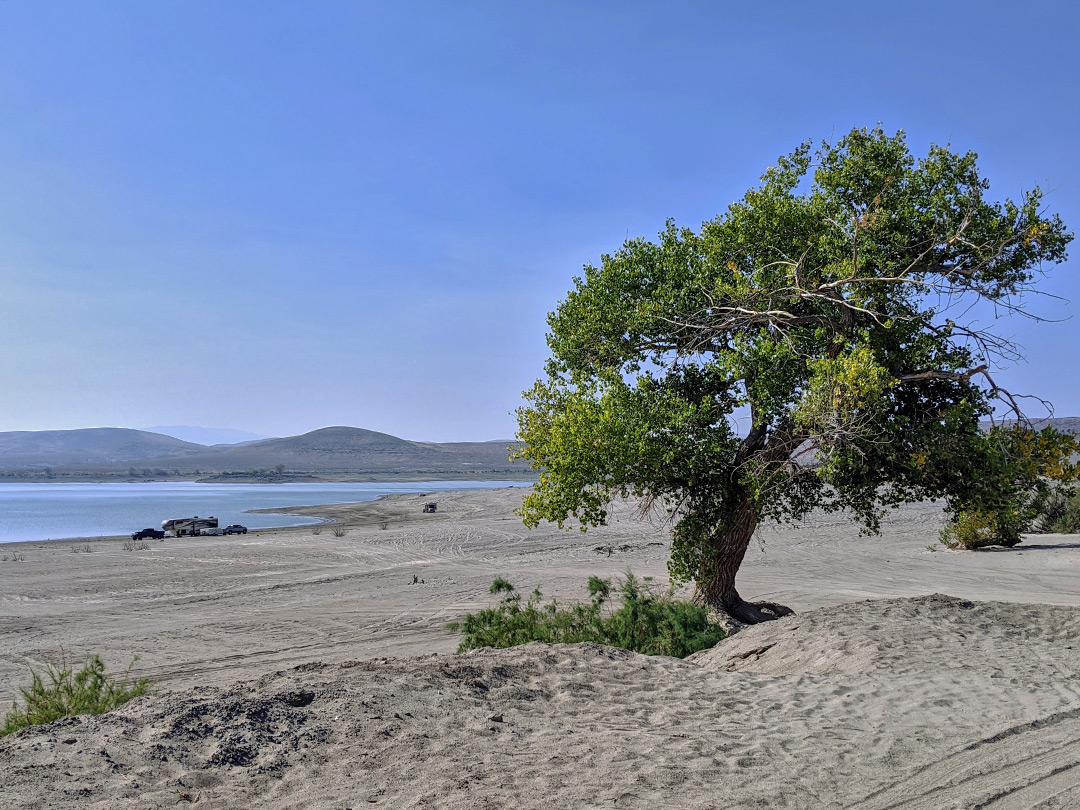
pixel 349 449
pixel 207 436
pixel 328 450
pixel 89 447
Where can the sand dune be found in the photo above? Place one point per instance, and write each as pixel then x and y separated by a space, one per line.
pixel 911 701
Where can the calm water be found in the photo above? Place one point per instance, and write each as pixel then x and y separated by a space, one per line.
pixel 55 511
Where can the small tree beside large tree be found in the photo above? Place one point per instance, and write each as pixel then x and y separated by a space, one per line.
pixel 837 303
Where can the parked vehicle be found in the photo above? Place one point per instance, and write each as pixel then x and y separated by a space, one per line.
pixel 192 526
pixel 212 532
pixel 235 528
pixel 155 534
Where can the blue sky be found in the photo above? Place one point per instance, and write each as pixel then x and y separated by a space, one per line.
pixel 279 216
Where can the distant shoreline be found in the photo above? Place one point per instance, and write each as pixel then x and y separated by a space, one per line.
pixel 321 513
pixel 273 478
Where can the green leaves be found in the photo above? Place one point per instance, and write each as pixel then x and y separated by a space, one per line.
pixel 648 620
pixel 843 403
pixel 67 693
pixel 830 301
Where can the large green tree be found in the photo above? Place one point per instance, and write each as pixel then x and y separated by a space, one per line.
pixel 837 305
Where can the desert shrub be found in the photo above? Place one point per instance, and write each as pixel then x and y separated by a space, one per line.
pixel 1061 512
pixel 1046 509
pixel 316 529
pixel 339 531
pixel 649 620
pixel 89 691
pixel 978 528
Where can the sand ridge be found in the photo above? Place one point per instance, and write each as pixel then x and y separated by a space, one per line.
pixel 587 726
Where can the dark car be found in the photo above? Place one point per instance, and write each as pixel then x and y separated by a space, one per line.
pixel 156 534
pixel 235 528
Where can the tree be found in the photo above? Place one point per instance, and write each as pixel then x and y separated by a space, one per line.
pixel 836 303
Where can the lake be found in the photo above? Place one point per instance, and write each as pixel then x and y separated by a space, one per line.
pixel 56 511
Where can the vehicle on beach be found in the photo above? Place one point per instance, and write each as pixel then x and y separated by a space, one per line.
pixel 191 527
pixel 234 528
pixel 212 532
pixel 155 534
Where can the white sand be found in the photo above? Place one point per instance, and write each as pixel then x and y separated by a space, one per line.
pixel 932 702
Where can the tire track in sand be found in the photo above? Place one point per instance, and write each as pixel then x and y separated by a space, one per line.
pixel 1019 768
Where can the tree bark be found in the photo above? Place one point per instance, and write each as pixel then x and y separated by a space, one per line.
pixel 720 563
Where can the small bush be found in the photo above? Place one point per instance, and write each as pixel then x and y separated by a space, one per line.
pixel 1060 512
pixel 316 529
pixel 340 531
pixel 649 621
pixel 89 691
pixel 1046 509
pixel 977 528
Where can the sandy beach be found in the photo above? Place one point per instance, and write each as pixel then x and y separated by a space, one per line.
pixel 307 670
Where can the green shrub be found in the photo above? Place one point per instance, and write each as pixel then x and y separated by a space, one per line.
pixel 1069 522
pixel 89 691
pixel 650 620
pixel 1047 508
pixel 1060 512
pixel 977 528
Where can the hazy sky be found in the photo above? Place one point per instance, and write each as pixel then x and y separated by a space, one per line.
pixel 279 216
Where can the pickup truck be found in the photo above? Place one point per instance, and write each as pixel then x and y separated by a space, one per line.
pixel 235 528
pixel 155 534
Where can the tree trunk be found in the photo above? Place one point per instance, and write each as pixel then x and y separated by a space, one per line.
pixel 720 563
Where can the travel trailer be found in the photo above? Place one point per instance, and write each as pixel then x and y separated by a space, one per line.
pixel 179 527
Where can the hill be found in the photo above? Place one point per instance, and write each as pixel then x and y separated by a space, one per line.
pixel 349 449
pixel 89 447
pixel 207 436
pixel 331 450
pixel 1066 424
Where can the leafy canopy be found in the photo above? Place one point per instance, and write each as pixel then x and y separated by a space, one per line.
pixel 834 303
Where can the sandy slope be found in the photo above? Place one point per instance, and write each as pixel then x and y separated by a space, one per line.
pixel 931 702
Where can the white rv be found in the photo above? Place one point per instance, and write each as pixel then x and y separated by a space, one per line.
pixel 179 527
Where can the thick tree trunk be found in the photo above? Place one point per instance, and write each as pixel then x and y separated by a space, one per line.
pixel 720 564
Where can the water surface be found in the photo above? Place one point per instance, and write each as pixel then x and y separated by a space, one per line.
pixel 55 511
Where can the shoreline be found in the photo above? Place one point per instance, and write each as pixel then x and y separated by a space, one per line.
pixel 307 511
pixel 298 477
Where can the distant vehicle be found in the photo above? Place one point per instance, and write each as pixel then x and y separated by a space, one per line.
pixel 430 507
pixel 192 526
pixel 212 532
pixel 155 534
pixel 234 528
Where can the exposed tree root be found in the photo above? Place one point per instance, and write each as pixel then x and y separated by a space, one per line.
pixel 732 612
pixel 757 612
